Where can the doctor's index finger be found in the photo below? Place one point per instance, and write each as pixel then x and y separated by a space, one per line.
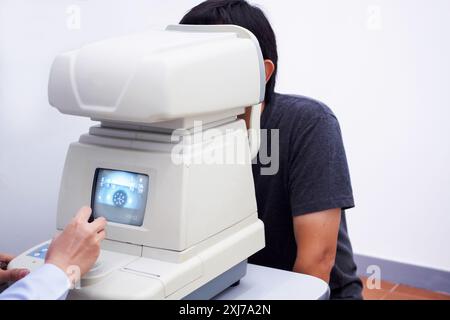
pixel 83 214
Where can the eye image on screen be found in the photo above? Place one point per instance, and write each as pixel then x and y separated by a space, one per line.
pixel 120 196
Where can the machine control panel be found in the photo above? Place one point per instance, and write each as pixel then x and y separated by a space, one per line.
pixel 40 252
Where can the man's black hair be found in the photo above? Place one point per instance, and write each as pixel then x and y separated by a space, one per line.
pixel 241 13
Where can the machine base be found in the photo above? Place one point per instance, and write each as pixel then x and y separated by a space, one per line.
pixel 220 283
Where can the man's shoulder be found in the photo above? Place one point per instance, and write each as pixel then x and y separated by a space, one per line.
pixel 300 108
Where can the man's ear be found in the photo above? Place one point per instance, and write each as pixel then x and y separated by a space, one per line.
pixel 270 68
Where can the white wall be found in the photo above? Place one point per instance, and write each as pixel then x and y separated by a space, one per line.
pixel 389 84
pixel 381 65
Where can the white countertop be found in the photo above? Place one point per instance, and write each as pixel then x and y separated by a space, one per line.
pixel 262 283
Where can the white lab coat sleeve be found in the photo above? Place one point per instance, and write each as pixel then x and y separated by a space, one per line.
pixel 45 283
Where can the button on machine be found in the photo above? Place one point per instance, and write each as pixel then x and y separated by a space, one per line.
pixel 40 252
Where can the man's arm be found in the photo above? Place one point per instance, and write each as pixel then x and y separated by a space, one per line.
pixel 316 235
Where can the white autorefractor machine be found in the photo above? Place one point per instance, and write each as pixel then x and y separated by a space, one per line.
pixel 175 230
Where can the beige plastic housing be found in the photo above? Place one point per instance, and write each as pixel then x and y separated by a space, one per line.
pixel 160 75
pixel 200 218
pixel 186 203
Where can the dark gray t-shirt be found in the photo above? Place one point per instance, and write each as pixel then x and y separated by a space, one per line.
pixel 313 176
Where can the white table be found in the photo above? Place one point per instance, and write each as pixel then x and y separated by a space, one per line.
pixel 262 283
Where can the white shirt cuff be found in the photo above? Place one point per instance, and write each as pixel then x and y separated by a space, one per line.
pixel 45 283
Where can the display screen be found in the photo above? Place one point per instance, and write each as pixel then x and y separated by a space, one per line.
pixel 120 196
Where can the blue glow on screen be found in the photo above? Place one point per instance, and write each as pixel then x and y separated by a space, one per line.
pixel 120 196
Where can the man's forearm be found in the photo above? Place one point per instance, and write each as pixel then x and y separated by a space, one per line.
pixel 320 268
pixel 316 237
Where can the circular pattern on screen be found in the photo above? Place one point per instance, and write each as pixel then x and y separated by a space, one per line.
pixel 120 198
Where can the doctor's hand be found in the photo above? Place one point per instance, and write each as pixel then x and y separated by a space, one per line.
pixel 10 275
pixel 78 246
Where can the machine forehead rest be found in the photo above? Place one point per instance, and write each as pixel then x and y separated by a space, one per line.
pixel 157 76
